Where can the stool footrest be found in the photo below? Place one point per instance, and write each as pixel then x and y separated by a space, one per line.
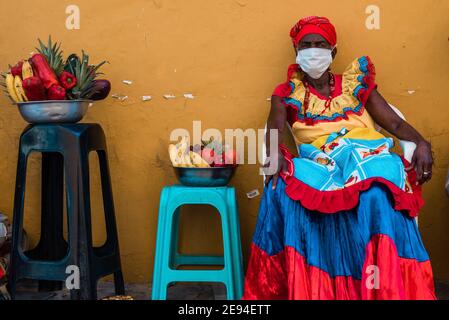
pixel 197 260
pixel 197 275
pixel 38 270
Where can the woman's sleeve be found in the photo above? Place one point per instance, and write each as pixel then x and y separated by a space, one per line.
pixel 359 79
pixel 283 90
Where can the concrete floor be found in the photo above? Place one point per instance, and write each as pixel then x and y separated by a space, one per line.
pixel 190 291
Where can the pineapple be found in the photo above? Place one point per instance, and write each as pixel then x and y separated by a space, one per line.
pixel 85 75
pixel 53 53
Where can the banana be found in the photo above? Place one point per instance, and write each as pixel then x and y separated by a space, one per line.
pixel 182 145
pixel 198 161
pixel 9 81
pixel 177 153
pixel 181 152
pixel 19 89
pixel 174 156
pixel 27 70
pixel 187 162
pixel 181 156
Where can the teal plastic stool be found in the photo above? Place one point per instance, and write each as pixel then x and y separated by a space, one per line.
pixel 167 258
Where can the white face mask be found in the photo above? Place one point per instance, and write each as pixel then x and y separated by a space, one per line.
pixel 314 61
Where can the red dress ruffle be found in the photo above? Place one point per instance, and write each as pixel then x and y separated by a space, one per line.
pixel 287 276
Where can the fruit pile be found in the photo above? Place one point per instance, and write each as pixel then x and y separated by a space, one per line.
pixel 47 76
pixel 209 154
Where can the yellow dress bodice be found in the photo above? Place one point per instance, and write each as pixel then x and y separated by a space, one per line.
pixel 346 110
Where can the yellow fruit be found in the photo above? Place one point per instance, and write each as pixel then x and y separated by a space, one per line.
pixel 19 89
pixel 198 161
pixel 187 161
pixel 174 155
pixel 181 156
pixel 9 81
pixel 27 70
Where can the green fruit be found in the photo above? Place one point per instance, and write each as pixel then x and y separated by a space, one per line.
pixel 85 75
pixel 71 62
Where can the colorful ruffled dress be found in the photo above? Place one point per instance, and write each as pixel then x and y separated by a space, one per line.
pixel 340 224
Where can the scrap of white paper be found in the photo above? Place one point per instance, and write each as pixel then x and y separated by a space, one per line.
pixel 189 96
pixel 119 97
pixel 128 82
pixel 253 194
pixel 169 96
pixel 146 98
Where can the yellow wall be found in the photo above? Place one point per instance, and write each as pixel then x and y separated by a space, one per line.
pixel 230 54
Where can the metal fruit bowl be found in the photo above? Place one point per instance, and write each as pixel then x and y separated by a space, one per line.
pixel 205 177
pixel 61 111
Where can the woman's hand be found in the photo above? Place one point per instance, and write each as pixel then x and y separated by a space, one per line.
pixel 276 121
pixel 422 162
pixel 282 166
pixel 387 118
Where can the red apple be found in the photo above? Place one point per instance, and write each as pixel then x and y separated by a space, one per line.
pixel 230 157
pixel 208 155
pixel 219 161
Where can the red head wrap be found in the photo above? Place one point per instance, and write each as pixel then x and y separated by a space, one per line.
pixel 314 24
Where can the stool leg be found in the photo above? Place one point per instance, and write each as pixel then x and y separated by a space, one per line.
pixel 52 245
pixel 227 248
pixel 119 283
pixel 111 226
pixel 236 244
pixel 89 292
pixel 174 253
pixel 80 234
pixel 17 224
pixel 163 245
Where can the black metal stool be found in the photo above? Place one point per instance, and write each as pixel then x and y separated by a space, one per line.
pixel 65 153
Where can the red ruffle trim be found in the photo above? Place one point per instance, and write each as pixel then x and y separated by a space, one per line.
pixel 331 202
pixel 368 81
pixel 385 276
pixel 284 89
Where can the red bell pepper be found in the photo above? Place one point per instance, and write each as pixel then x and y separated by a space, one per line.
pixel 56 92
pixel 44 71
pixel 34 89
pixel 68 80
pixel 17 69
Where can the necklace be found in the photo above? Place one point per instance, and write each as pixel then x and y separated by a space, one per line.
pixel 309 120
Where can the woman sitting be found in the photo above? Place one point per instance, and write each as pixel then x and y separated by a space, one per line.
pixel 338 221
